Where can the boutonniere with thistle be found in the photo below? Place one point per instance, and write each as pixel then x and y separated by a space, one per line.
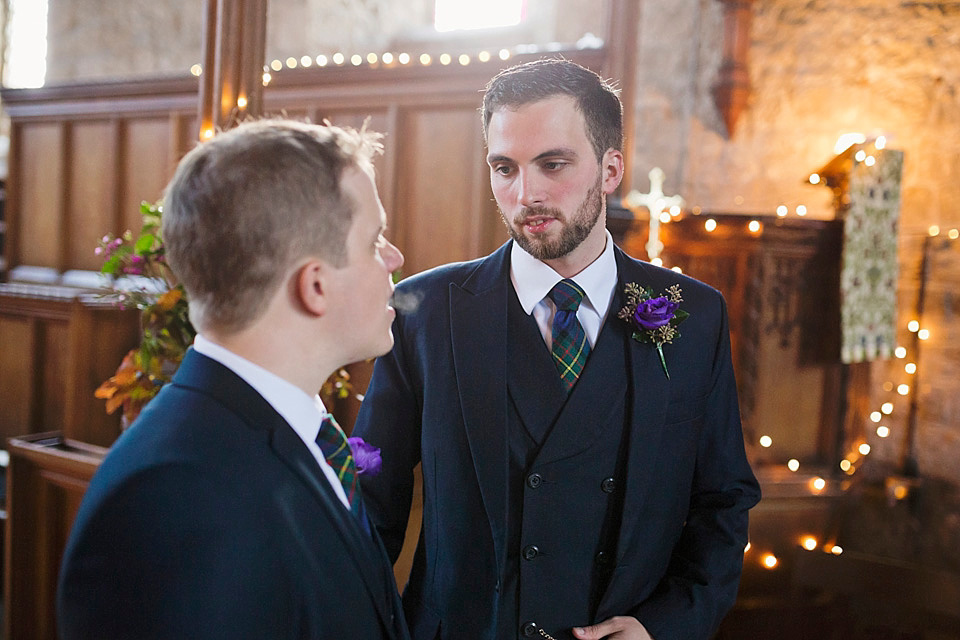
pixel 654 318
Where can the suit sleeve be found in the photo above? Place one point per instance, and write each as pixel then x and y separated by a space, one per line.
pixel 701 582
pixel 390 418
pixel 172 555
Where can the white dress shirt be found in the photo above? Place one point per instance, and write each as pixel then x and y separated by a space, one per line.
pixel 301 412
pixel 533 280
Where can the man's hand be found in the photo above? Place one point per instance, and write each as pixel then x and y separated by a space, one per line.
pixel 616 628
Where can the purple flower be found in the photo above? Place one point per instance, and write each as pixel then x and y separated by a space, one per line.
pixel 655 312
pixel 365 456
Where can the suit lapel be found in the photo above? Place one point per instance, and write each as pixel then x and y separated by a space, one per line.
pixel 599 393
pixel 361 547
pixel 212 378
pixel 478 329
pixel 649 397
pixel 535 387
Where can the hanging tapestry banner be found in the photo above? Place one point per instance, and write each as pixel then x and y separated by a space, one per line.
pixel 868 280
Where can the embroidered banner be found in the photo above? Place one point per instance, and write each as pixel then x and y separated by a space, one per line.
pixel 868 280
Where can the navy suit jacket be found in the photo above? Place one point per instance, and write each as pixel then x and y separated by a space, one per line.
pixel 209 518
pixel 440 397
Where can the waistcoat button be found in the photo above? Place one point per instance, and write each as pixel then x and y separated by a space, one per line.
pixel 530 552
pixel 608 485
pixel 529 629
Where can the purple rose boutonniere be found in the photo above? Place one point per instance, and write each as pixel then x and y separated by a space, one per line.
pixel 365 456
pixel 654 318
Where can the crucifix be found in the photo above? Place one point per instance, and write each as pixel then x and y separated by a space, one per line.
pixel 656 203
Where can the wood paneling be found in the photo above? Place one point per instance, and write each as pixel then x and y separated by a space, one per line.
pixel 16 375
pixel 92 205
pixel 85 156
pixel 56 346
pixel 38 209
pixel 147 160
pixel 438 216
pixel 46 480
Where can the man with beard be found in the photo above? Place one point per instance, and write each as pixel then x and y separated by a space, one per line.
pixel 584 472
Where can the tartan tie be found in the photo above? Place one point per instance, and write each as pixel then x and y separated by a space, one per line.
pixel 333 443
pixel 570 346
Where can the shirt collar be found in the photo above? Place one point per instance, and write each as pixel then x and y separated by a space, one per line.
pixel 301 411
pixel 533 279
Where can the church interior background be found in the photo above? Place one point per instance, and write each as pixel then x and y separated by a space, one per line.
pixel 839 254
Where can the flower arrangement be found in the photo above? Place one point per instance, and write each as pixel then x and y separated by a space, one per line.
pixel 142 280
pixel 654 318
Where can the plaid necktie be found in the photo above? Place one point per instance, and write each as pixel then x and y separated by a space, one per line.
pixel 333 443
pixel 570 346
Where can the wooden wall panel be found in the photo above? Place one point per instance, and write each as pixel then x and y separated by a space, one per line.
pixel 100 336
pixel 40 174
pixel 51 363
pixel 438 221
pixel 92 206
pixel 148 162
pixel 16 375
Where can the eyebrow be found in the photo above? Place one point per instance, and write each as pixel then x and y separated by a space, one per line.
pixel 549 153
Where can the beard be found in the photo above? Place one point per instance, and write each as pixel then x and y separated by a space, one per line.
pixel 574 231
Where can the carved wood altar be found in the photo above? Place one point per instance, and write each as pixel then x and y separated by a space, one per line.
pixel 781 284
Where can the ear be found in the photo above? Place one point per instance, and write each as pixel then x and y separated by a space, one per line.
pixel 612 170
pixel 310 287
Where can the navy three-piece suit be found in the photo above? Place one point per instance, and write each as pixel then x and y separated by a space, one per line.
pixel 543 511
pixel 210 518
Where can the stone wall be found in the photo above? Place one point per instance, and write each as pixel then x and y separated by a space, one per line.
pixel 818 69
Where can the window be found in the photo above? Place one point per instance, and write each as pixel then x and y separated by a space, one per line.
pixel 451 15
pixel 27 42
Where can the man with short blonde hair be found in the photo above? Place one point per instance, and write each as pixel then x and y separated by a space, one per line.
pixel 230 508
